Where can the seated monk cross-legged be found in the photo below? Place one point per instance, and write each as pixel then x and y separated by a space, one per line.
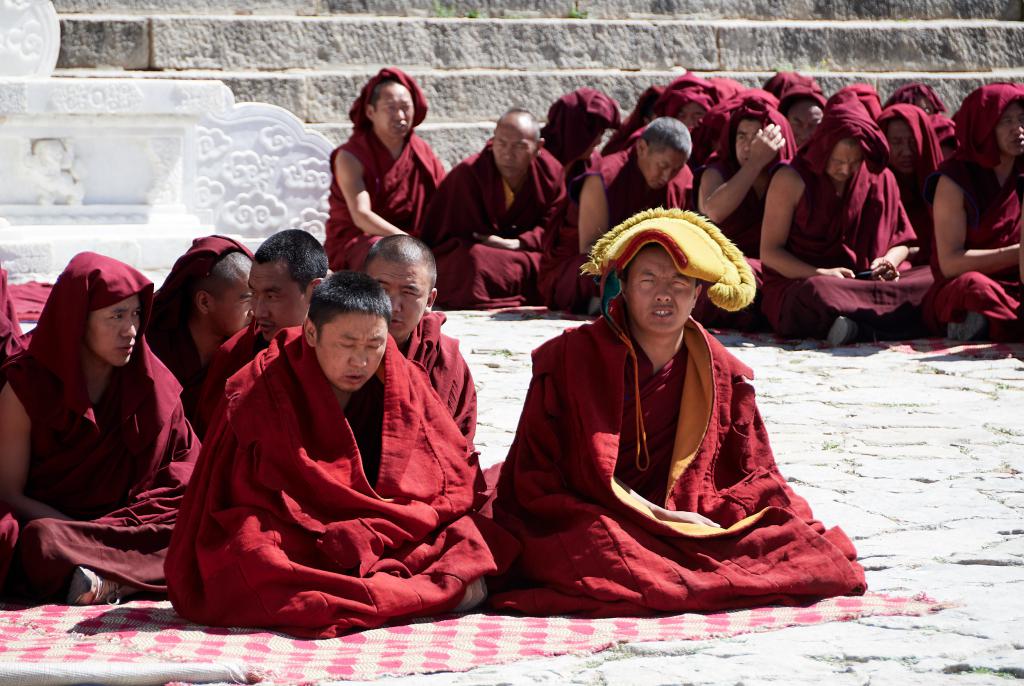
pixel 95 450
pixel 835 237
pixel 405 269
pixel 285 270
pixel 641 479
pixel 976 204
pixel 334 490
pixel 203 302
pixel 384 175
pixel 487 220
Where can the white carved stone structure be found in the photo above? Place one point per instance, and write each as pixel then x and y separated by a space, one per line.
pixel 137 168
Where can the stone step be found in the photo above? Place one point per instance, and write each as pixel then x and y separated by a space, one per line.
pixel 593 9
pixel 324 97
pixel 284 42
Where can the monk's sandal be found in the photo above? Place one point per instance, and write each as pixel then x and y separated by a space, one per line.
pixel 89 588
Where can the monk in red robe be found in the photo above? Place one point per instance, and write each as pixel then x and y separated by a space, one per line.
pixel 334 491
pixel 641 479
pixel 95 450
pixel 10 328
pixel 945 130
pixel 867 95
pixel 203 301
pixel 977 212
pixel 487 221
pixel 801 101
pixel 920 94
pixel 914 155
pixel 652 173
pixel 688 98
pixel 285 270
pixel 782 81
pixel 731 193
pixel 576 123
pixel 707 135
pixel 835 236
pixel 384 175
pixel 405 269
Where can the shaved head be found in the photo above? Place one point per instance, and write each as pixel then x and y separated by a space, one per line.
pixel 229 269
pixel 405 269
pixel 404 250
pixel 521 121
pixel 515 146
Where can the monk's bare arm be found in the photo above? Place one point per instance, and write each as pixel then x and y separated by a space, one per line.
pixel 15 434
pixel 951 234
pixel 349 173
pixel 593 213
pixel 783 196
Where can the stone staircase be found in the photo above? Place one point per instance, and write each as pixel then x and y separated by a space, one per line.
pixel 476 58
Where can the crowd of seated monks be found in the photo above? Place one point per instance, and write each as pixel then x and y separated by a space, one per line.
pixel 285 438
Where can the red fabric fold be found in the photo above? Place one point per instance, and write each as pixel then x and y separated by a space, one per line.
pixel 471 200
pixel 10 329
pixel 281 528
pixel 642 113
pixel 119 468
pixel 914 92
pixel 576 120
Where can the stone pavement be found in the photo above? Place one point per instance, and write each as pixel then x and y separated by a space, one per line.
pixel 917 453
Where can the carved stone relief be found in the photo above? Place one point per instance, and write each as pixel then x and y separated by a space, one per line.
pixel 260 171
pixel 51 165
pixel 29 38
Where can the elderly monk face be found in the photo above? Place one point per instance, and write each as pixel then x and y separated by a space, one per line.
pixel 902 146
pixel 277 301
pixel 746 133
pixel 658 165
pixel 658 298
pixel 804 116
pixel 691 114
pixel 392 112
pixel 111 332
pixel 1010 130
pixel 410 291
pixel 844 161
pixel 516 144
pixel 349 348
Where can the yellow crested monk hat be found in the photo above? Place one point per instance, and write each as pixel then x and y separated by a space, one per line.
pixel 698 248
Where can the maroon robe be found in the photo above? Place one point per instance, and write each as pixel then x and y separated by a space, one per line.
pixel 168 333
pixel 471 199
pixel 681 92
pixel 627 191
pixel 10 329
pixel 590 548
pixel 232 355
pixel 945 130
pixel 637 120
pixel 783 81
pixel 867 95
pixel 313 520
pixel 726 88
pixel 929 155
pixel 911 93
pixel 743 226
pixel 400 189
pixel 118 467
pixel 993 219
pixel 848 230
pixel 449 374
pixel 573 120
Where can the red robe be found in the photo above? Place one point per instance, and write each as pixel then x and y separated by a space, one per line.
pixel 707 135
pixel 993 219
pixel 449 374
pixel 168 333
pixel 281 527
pixel 575 120
pixel 743 226
pixel 851 230
pixel 637 120
pixel 628 193
pixel 400 189
pixel 910 93
pixel 590 548
pixel 929 155
pixel 118 467
pixel 783 81
pixel 235 353
pixel 864 92
pixel 10 329
pixel 471 200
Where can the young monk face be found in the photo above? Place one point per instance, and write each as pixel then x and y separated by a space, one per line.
pixel 111 332
pixel 349 348
pixel 1010 131
pixel 229 309
pixel 392 112
pixel 902 147
pixel 691 115
pixel 844 162
pixel 277 301
pixel 746 133
pixel 804 116
pixel 658 165
pixel 410 291
pixel 515 146
pixel 658 298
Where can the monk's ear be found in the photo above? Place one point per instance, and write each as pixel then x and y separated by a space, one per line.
pixel 433 296
pixel 310 286
pixel 202 301
pixel 641 147
pixel 309 331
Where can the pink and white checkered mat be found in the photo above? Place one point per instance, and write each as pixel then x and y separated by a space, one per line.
pixel 147 640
